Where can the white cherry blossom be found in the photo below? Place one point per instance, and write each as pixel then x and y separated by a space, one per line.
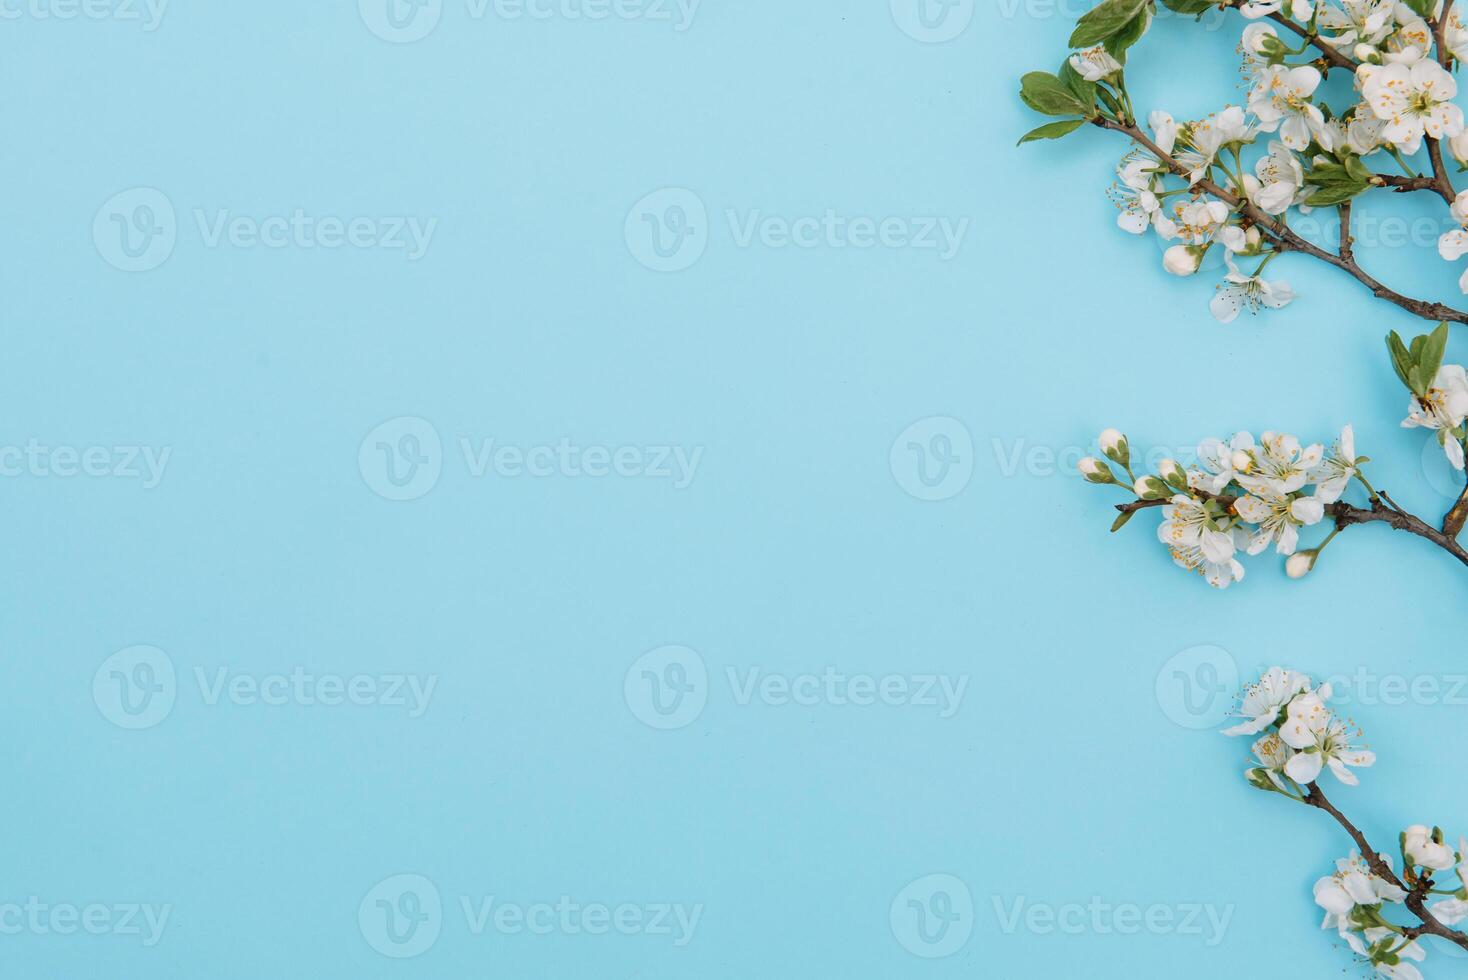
pixel 1357 22
pixel 1279 519
pixel 1320 739
pixel 1413 100
pixel 1205 137
pixel 1216 460
pixel 1281 100
pixel 1443 409
pixel 1334 473
pixel 1424 852
pixel 1280 464
pixel 1265 699
pixel 1240 292
pixel 1279 176
pixel 1299 9
pixel 1094 64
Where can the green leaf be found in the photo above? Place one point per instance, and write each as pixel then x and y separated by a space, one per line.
pixel 1111 17
pixel 1048 95
pixel 1133 32
pixel 1052 131
pixel 1083 90
pixel 1330 195
pixel 1432 353
pixel 1423 8
pixel 1401 358
pixel 1196 7
pixel 1357 169
pixel 1121 521
pixel 1336 183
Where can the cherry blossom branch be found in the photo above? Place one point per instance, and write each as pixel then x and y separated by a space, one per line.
pixel 1329 54
pixel 1383 511
pixel 1416 900
pixel 1283 238
pixel 1439 183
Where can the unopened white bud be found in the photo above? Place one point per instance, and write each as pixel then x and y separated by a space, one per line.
pixel 1242 461
pixel 1116 448
pixel 1151 488
pixel 1096 471
pixel 1183 260
pixel 1261 39
pixel 1300 563
pixel 1367 55
pixel 1172 471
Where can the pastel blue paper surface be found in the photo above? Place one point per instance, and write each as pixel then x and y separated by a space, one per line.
pixel 683 400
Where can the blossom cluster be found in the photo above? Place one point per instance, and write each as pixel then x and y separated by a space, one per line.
pixel 1230 180
pixel 1241 497
pixel 1298 737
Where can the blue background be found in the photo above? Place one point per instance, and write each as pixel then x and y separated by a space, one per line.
pixel 1064 776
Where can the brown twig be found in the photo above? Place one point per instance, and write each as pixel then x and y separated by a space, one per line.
pixel 1441 182
pixel 1345 516
pixel 1440 33
pixel 1348 243
pixel 1283 238
pixel 1225 499
pixel 1403 185
pixel 1416 900
pixel 1456 518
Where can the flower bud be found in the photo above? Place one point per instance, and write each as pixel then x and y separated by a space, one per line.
pixel 1459 145
pixel 1367 54
pixel 1096 471
pixel 1115 446
pixel 1259 779
pixel 1172 471
pixel 1269 46
pixel 1151 488
pixel 1300 563
pixel 1241 461
pixel 1183 260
